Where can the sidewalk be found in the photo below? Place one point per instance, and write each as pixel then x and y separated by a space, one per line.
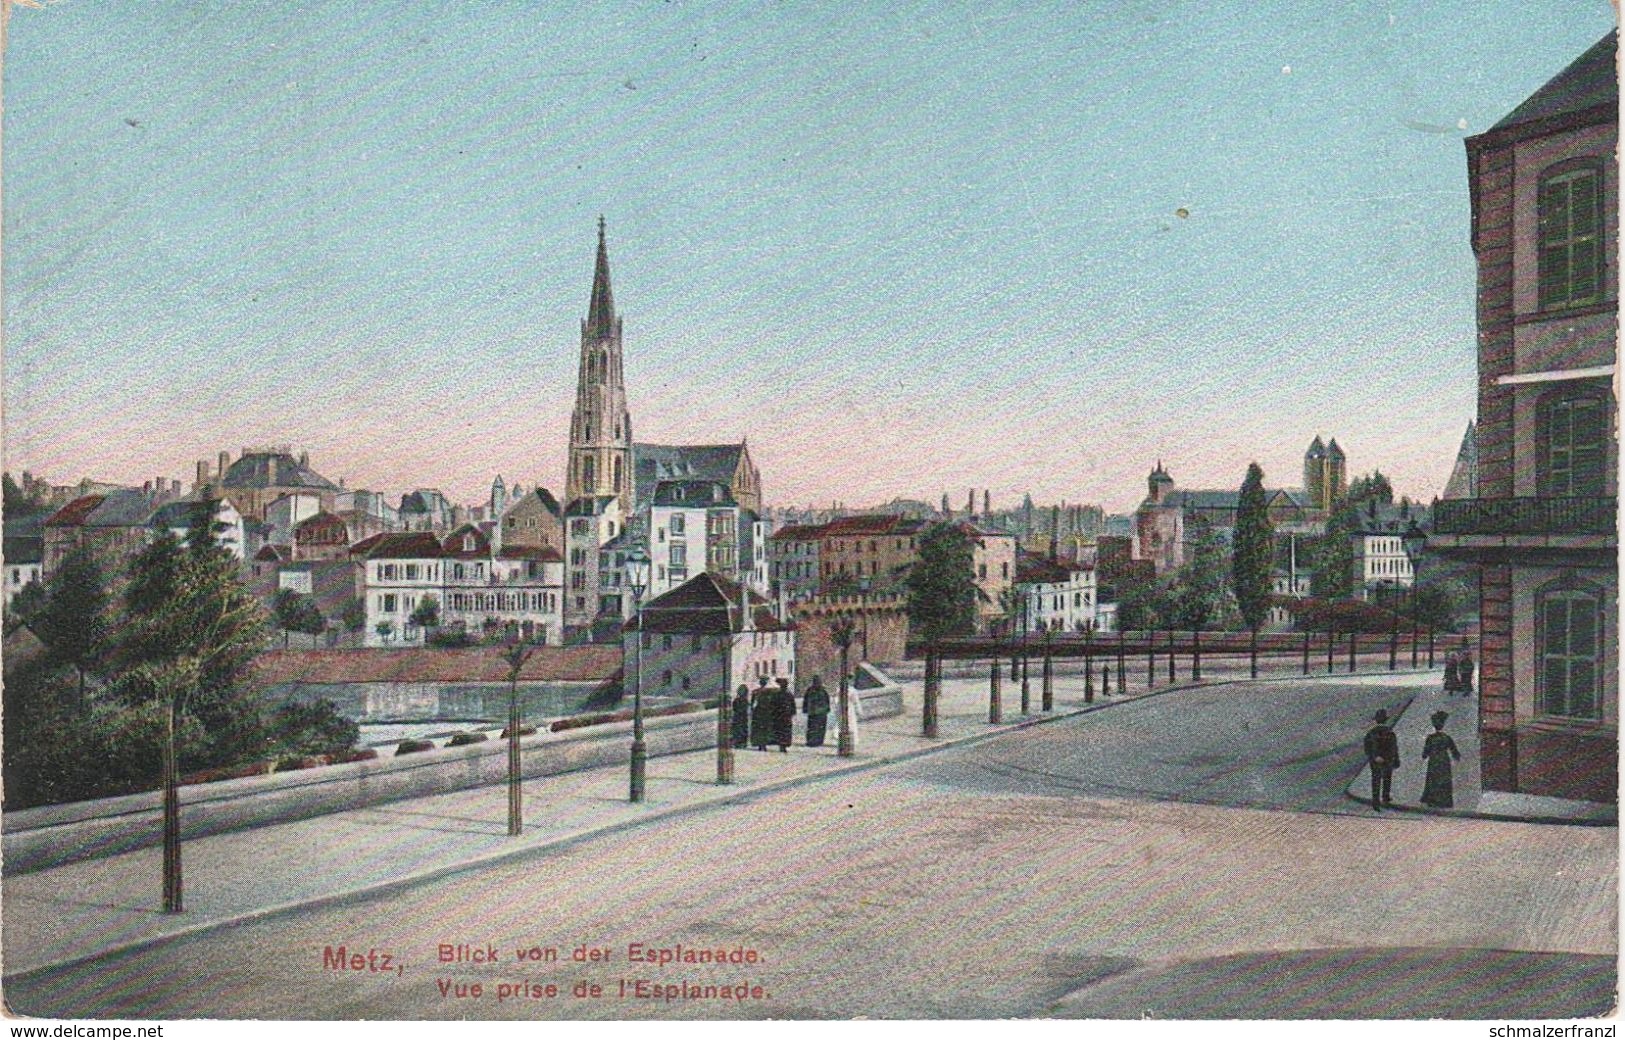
pixel 93 907
pixel 1412 728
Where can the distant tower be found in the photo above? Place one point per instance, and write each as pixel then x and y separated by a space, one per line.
pixel 1159 483
pixel 947 514
pixel 1314 476
pixel 1337 477
pixel 600 426
pixel 987 502
pixel 499 498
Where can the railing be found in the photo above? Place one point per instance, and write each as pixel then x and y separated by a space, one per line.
pixel 1532 516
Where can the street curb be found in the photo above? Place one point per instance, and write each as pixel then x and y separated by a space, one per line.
pixel 738 796
pixel 1363 777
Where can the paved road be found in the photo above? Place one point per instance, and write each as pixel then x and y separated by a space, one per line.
pixel 1082 868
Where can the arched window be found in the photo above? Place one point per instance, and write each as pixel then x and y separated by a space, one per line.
pixel 1572 443
pixel 1571 260
pixel 1568 649
pixel 587 475
pixel 618 468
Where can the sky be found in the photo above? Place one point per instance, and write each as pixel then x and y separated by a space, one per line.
pixel 902 249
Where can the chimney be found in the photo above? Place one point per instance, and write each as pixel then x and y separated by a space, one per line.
pixel 225 461
pixel 304 458
pixel 146 489
pixel 202 473
pixel 175 488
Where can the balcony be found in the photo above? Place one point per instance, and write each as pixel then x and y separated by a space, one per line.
pixel 1525 516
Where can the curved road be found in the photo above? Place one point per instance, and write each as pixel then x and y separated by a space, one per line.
pixel 1187 855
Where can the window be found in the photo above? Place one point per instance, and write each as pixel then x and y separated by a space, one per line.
pixel 981 571
pixel 1568 644
pixel 676 524
pixel 1571 259
pixel 578 527
pixel 587 472
pixel 389 604
pixel 1572 447
pixel 617 465
pixel 679 556
pixel 411 572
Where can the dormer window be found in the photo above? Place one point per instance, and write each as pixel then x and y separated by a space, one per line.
pixel 468 543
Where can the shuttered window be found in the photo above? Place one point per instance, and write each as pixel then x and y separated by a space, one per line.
pixel 1574 446
pixel 1570 652
pixel 1571 239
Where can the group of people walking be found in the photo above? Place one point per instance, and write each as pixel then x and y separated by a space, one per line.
pixel 767 715
pixel 1438 751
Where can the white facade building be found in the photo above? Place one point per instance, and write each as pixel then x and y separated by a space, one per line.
pixel 1058 596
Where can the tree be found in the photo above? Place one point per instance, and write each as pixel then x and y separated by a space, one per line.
pixel 354 615
pixel 427 614
pixel 73 623
pixel 1200 596
pixel 942 597
pixel 297 612
pixel 1253 550
pixel 27 604
pixel 186 603
pixel 942 591
pixel 311 728
pixel 1371 485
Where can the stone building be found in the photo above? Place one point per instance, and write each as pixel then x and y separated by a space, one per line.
pixel 534 520
pixel 1544 189
pixel 113 525
pixel 706 637
pixel 260 476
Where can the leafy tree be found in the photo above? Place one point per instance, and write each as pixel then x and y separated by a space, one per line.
pixel 354 615
pixel 1200 597
pixel 1371 485
pixel 1334 560
pixel 28 603
pixel 1253 550
pixel 297 612
pixel 16 503
pixel 189 615
pixel 311 728
pixel 942 591
pixel 427 614
pixel 73 622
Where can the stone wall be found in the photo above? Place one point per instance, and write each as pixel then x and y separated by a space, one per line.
pixel 883 618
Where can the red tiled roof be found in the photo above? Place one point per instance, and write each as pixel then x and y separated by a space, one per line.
pixel 798 533
pixel 855 525
pixel 586 663
pixel 398 545
pixel 76 512
pixel 545 553
pixel 452 547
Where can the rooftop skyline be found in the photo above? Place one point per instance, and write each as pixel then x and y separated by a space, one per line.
pixel 921 249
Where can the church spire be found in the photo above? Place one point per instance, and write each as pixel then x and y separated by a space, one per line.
pixel 601 312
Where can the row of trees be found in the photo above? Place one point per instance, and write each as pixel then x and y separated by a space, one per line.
pixel 90 715
pixel 1231 587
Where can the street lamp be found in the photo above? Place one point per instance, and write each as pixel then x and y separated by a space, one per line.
pixel 1026 688
pixel 516 656
pixel 637 577
pixel 841 632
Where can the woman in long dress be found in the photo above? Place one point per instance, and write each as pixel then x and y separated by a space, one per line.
pixel 1439 750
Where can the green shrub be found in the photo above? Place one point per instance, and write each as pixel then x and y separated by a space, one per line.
pixel 310 728
pixel 461 739
pixel 409 747
pixel 524 731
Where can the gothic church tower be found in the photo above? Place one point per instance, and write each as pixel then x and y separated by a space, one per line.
pixel 600 426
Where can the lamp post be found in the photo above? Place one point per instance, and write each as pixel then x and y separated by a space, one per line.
pixel 637 577
pixel 515 658
pixel 1026 689
pixel 841 632
pixel 1048 703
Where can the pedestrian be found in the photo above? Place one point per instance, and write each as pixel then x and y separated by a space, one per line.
pixel 741 717
pixel 762 702
pixel 1382 755
pixel 1438 750
pixel 784 716
pixel 1464 672
pixel 1452 674
pixel 815 702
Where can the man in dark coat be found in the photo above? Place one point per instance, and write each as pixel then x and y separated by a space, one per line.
pixel 1452 673
pixel 1464 671
pixel 784 716
pixel 1382 754
pixel 741 717
pixel 762 702
pixel 815 702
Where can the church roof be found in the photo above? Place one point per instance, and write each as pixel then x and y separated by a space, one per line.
pixel 266 469
pixel 601 310
pixel 1333 451
pixel 1588 82
pixel 1463 481
pixel 694 493
pixel 652 463
pixel 1317 449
